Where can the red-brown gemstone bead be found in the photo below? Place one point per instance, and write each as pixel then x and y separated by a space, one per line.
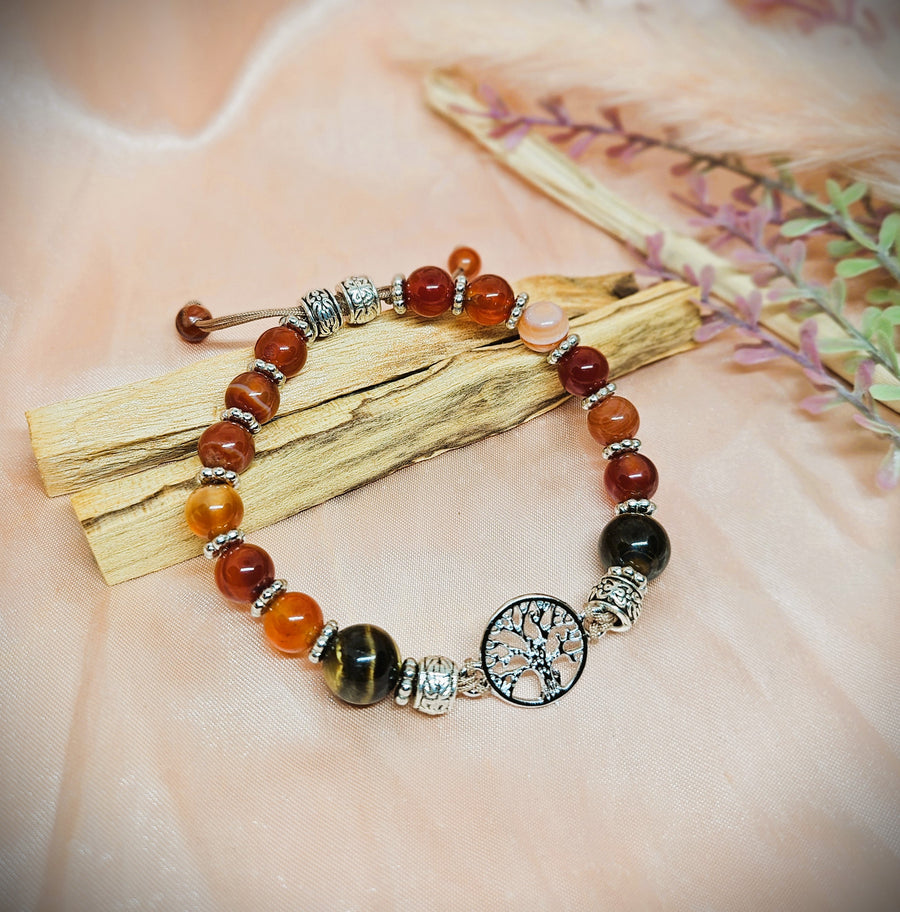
pixel 226 445
pixel 242 572
pixel 254 393
pixel 466 260
pixel 284 348
pixel 612 420
pixel 429 291
pixel 583 371
pixel 293 623
pixel 186 322
pixel 489 300
pixel 630 475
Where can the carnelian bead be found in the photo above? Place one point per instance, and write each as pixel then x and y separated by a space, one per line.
pixel 213 509
pixel 293 623
pixel 242 572
pixel 630 475
pixel 429 291
pixel 186 322
pixel 254 393
pixel 583 371
pixel 542 326
pixel 226 445
pixel 284 348
pixel 465 260
pixel 489 300
pixel 612 420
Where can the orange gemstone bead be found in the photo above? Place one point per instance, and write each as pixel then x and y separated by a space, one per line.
pixel 293 623
pixel 614 419
pixel 254 393
pixel 186 322
pixel 243 571
pixel 283 347
pixel 489 300
pixel 466 260
pixel 213 509
pixel 227 446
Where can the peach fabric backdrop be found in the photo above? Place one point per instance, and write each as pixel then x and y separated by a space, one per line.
pixel 739 750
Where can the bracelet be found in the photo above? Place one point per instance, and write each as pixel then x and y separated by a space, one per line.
pixel 534 647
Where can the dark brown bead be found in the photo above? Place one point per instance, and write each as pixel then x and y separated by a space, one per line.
pixel 186 322
pixel 429 291
pixel 630 475
pixel 489 300
pixel 284 348
pixel 465 260
pixel 226 445
pixel 583 371
pixel 242 572
pixel 635 540
pixel 254 393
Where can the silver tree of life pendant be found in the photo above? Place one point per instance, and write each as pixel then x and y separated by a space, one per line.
pixel 533 650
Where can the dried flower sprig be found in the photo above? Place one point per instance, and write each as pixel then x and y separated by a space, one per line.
pixel 810 15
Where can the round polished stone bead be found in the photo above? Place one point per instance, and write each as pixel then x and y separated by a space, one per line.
pixel 252 392
pixel 635 540
pixel 213 509
pixel 283 347
pixel 583 371
pixel 630 475
pixel 543 325
pixel 489 300
pixel 293 623
pixel 429 291
pixel 612 420
pixel 361 664
pixel 226 445
pixel 242 572
pixel 466 260
pixel 186 322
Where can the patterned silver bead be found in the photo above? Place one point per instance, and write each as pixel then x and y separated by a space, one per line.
pixel 596 398
pixel 300 323
pixel 517 311
pixel 436 685
pixel 409 671
pixel 212 549
pixel 563 348
pixel 244 419
pixel 359 299
pixel 262 604
pixel 620 594
pixel 636 505
pixel 321 644
pixel 322 312
pixel 459 294
pixel 398 298
pixel 629 445
pixel 267 369
pixel 218 475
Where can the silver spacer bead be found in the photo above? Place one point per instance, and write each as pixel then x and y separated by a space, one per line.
pixel 472 680
pixel 212 549
pixel 359 299
pixel 621 446
pixel 563 348
pixel 459 294
pixel 636 505
pixel 267 369
pixel 321 644
pixel 437 684
pixel 398 298
pixel 615 602
pixel 244 419
pixel 517 311
pixel 300 323
pixel 596 398
pixel 218 475
pixel 262 604
pixel 409 671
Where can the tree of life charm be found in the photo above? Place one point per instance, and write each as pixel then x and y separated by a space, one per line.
pixel 533 650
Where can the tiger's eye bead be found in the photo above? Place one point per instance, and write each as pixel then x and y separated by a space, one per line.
pixel 543 325
pixel 361 664
pixel 284 348
pixel 489 300
pixel 466 260
pixel 429 291
pixel 583 371
pixel 630 475
pixel 186 322
pixel 252 392
pixel 242 572
pixel 612 420
pixel 226 445
pixel 635 540
pixel 213 509
pixel 293 622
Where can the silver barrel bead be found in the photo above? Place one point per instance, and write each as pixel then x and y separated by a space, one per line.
pixel 358 298
pixel 619 593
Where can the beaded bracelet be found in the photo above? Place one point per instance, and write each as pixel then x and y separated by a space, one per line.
pixel 534 648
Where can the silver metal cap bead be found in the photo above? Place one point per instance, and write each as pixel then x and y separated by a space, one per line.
pixel 459 294
pixel 218 475
pixel 636 505
pixel 596 398
pixel 264 601
pixel 621 446
pixel 517 311
pixel 408 673
pixel 244 419
pixel 212 549
pixel 267 369
pixel 321 644
pixel 398 298
pixel 563 348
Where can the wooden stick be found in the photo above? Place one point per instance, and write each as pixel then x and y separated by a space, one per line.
pixel 553 172
pixel 366 406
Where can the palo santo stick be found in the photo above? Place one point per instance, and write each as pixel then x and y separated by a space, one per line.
pixel 553 172
pixel 366 428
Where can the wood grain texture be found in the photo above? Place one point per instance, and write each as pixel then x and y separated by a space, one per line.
pixel 352 417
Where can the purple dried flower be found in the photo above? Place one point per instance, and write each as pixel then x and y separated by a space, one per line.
pixel 754 354
pixel 819 403
pixel 709 328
